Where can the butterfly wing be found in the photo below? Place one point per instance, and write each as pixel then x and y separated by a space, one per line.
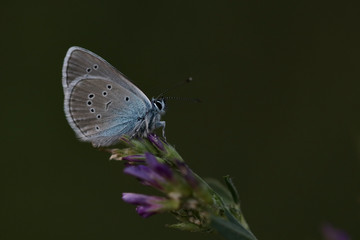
pixel 81 63
pixel 100 104
pixel 100 111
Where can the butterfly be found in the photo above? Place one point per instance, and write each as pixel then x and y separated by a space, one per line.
pixel 101 104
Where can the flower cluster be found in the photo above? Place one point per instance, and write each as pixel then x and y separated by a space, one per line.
pixel 194 202
pixel 156 164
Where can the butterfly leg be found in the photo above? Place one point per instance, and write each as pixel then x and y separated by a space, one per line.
pixel 162 125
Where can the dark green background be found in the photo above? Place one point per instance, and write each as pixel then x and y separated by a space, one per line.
pixel 280 88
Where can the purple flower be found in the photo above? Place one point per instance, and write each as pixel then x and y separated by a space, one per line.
pixel 156 142
pixel 331 233
pixel 146 175
pixel 155 174
pixel 138 158
pixel 157 167
pixel 149 205
pixel 187 173
pixel 172 177
pixel 146 205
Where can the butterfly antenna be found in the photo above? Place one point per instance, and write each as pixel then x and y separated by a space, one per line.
pixel 188 80
pixel 196 100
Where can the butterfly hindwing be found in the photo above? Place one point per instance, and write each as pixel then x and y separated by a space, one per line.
pixel 102 109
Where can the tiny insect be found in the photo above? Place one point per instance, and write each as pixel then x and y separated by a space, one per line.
pixel 101 104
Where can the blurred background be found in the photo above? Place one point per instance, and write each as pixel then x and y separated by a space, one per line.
pixel 279 81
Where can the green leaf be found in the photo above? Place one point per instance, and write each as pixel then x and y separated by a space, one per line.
pixel 232 189
pixel 186 227
pixel 220 189
pixel 231 217
pixel 229 230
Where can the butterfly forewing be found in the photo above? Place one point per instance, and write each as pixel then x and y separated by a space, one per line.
pixel 80 63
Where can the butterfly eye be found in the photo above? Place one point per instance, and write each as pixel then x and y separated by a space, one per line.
pixel 88 70
pixel 95 66
pixel 92 110
pixel 98 116
pixel 104 93
pixel 159 105
pixel 91 96
pixel 109 86
pixel 89 103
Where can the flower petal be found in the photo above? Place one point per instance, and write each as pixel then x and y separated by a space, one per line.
pixel 156 142
pixel 161 169
pixel 146 175
pixel 138 158
pixel 187 173
pixel 146 205
pixel 147 211
pixel 140 199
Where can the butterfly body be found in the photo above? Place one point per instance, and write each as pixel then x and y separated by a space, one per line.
pixel 101 104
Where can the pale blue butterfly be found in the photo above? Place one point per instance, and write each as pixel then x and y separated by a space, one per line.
pixel 101 104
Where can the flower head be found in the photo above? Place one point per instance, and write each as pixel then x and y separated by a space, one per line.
pixel 331 233
pixel 184 194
